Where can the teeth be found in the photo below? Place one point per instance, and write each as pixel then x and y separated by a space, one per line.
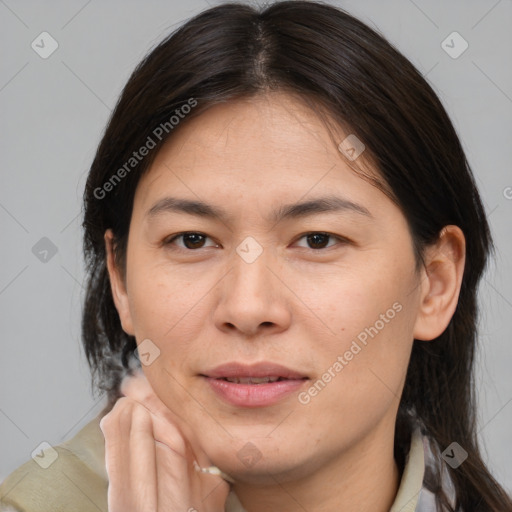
pixel 252 380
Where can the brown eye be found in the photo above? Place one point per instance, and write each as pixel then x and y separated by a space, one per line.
pixel 193 240
pixel 190 240
pixel 320 240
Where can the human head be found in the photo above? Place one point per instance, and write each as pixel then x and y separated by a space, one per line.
pixel 357 82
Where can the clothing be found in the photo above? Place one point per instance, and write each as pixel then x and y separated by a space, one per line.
pixel 77 480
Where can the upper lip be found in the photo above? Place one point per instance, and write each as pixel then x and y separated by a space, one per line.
pixel 262 369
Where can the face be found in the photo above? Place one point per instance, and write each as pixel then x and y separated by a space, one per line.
pixel 328 292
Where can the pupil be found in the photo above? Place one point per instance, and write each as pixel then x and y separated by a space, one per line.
pixel 316 239
pixel 195 239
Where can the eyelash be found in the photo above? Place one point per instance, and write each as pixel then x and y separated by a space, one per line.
pixel 169 241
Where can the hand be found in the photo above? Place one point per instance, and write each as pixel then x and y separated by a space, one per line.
pixel 150 462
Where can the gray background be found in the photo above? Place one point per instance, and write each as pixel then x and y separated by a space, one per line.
pixel 53 112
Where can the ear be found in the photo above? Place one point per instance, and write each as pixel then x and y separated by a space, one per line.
pixel 118 286
pixel 440 283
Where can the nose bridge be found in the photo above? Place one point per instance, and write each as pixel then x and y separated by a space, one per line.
pixel 250 276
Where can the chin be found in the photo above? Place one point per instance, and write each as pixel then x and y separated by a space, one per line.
pixel 271 473
pixel 264 465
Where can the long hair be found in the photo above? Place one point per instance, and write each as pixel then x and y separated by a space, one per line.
pixel 360 81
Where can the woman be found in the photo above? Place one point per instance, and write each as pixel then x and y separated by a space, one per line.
pixel 284 242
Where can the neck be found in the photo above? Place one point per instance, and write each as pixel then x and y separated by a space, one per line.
pixel 364 478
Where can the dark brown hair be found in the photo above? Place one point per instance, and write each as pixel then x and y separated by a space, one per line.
pixel 332 60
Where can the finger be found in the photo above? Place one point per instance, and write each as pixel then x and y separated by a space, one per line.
pixel 174 457
pixel 174 487
pixel 130 457
pixel 113 426
pixel 138 388
pixel 174 438
pixel 150 464
pixel 170 434
pixel 175 465
pixel 143 473
pixel 180 487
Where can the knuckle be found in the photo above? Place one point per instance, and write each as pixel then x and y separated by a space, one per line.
pixel 171 435
pixel 119 415
pixel 140 417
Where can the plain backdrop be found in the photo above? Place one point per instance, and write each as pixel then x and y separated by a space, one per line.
pixel 53 111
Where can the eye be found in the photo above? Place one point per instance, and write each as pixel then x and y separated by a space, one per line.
pixel 191 240
pixel 319 240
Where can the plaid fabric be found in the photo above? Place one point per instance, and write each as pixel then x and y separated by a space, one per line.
pixel 434 463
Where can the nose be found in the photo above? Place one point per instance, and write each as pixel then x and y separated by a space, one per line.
pixel 254 300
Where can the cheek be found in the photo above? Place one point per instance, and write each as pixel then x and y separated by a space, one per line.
pixel 351 304
pixel 166 305
pixel 362 367
pixel 360 384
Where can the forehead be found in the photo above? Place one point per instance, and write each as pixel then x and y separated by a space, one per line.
pixel 275 125
pixel 254 148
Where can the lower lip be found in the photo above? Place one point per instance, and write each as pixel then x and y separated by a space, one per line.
pixel 254 395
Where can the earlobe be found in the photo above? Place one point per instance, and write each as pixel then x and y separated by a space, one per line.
pixel 117 285
pixel 441 282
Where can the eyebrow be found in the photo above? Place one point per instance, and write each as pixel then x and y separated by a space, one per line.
pixel 287 211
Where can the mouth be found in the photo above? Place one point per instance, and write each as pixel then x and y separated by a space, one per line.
pixel 257 385
pixel 253 380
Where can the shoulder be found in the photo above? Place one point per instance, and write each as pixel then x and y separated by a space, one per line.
pixel 68 476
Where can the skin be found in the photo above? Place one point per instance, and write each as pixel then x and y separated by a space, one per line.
pixel 294 305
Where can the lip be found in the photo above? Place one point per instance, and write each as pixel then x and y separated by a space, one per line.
pixel 262 369
pixel 253 395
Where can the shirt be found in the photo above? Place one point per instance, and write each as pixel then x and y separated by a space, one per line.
pixel 77 479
